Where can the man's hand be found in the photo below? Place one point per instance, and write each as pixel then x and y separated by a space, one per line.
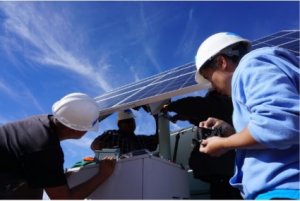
pixel 213 146
pixel 227 129
pixel 106 167
pixel 164 109
pixel 81 191
pixel 216 146
pixel 97 144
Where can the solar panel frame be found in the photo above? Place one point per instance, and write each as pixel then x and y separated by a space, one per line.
pixel 155 88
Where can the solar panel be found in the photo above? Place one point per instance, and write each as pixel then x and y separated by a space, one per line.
pixel 159 87
pixel 179 80
pixel 284 39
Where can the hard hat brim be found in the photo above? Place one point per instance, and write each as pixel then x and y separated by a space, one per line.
pixel 95 128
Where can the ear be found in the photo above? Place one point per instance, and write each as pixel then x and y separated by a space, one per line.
pixel 223 63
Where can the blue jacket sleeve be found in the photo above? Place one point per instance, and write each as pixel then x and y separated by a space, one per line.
pixel 269 88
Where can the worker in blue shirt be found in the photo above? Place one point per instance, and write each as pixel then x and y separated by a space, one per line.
pixel 264 87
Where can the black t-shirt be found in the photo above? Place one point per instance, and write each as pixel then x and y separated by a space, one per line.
pixel 30 151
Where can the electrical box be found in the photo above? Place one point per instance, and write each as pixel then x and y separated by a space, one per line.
pixel 138 177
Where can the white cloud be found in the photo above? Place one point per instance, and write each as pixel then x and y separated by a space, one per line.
pixel 47 36
pixel 145 123
pixel 134 73
pixel 103 62
pixel 187 41
pixel 151 56
pixel 26 93
pixel 50 38
pixel 22 95
pixel 6 89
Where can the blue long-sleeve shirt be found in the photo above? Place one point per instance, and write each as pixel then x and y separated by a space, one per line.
pixel 265 95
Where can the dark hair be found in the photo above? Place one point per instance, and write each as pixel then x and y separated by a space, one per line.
pixel 242 48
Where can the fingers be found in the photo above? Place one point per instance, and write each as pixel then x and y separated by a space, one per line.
pixel 213 146
pixel 202 147
pixel 204 143
pixel 202 124
pixel 109 160
pixel 210 122
pixel 107 165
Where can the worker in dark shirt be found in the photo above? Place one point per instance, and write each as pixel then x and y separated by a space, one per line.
pixel 125 139
pixel 215 171
pixel 32 158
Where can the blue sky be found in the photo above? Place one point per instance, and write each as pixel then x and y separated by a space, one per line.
pixel 49 49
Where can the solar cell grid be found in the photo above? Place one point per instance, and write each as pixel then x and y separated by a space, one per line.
pixel 156 78
pixel 110 101
pixel 292 47
pixel 284 39
pixel 160 86
pixel 281 34
pixel 176 73
pixel 129 89
pixel 178 80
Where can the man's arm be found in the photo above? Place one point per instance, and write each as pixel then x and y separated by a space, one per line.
pixel 242 140
pixel 84 189
pixel 216 146
pixel 96 144
pixel 273 111
pixel 196 109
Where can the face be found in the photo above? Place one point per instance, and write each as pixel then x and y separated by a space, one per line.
pixel 76 134
pixel 219 77
pixel 127 125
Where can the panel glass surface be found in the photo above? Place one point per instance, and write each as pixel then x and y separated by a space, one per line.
pixel 179 78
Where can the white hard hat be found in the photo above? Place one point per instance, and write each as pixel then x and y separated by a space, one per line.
pixel 126 114
pixel 77 111
pixel 214 45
